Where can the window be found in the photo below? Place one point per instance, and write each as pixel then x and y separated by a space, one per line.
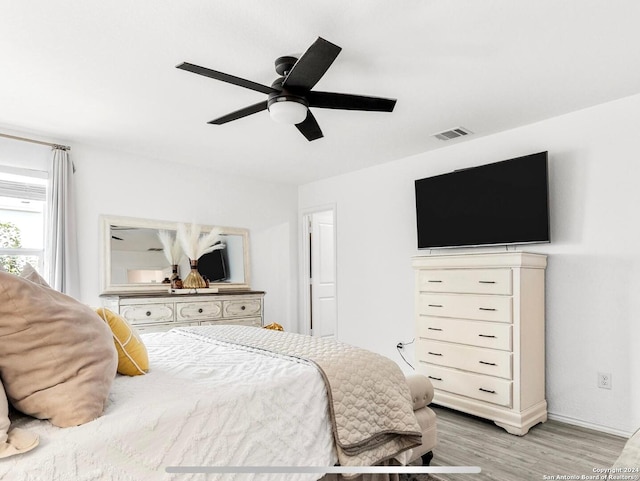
pixel 22 217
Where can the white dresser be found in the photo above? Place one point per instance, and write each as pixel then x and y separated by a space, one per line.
pixel 480 334
pixel 161 311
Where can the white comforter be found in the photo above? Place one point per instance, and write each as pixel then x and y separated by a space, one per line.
pixel 201 404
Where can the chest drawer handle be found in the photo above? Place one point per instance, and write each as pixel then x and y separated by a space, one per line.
pixel 433 329
pixel 430 280
pixel 243 308
pixel 435 305
pixel 435 353
pixel 488 363
pixel 200 311
pixel 487 390
pixel 148 313
pixel 487 282
pixel 487 309
pixel 435 378
pixel 486 335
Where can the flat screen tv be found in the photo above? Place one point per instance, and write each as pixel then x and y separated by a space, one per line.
pixel 213 265
pixel 494 204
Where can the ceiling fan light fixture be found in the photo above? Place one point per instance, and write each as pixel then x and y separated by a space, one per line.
pixel 288 110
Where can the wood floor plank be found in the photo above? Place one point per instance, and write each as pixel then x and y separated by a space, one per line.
pixel 549 449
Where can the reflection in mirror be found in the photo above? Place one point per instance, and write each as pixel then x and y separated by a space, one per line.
pixel 133 258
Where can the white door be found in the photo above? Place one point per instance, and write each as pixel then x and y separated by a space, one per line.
pixel 322 278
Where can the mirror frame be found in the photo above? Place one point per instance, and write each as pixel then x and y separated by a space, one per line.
pixel 107 287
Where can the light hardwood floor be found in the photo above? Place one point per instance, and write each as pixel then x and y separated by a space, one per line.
pixel 549 449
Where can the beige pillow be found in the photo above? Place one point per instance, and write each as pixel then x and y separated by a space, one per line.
pixel 17 440
pixel 28 272
pixel 57 358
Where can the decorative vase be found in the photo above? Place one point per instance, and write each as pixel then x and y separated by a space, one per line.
pixel 193 280
pixel 174 272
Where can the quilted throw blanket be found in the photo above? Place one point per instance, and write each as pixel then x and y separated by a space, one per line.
pixel 369 400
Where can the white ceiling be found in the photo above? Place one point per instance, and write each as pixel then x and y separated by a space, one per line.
pixel 103 73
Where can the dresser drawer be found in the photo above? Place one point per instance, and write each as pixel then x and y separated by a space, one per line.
pixel 465 306
pixel 198 310
pixel 475 386
pixel 469 281
pixel 475 359
pixel 242 307
pixel 474 333
pixel 147 313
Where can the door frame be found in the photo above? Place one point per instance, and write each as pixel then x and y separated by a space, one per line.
pixel 305 264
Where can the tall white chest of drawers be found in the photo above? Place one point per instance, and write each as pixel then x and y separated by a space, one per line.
pixel 480 334
pixel 158 311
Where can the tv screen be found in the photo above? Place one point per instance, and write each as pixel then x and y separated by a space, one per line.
pixel 501 203
pixel 213 265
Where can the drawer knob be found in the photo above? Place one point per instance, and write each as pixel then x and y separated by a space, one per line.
pixel 435 305
pixel 487 390
pixel 430 280
pixel 437 354
pixel 148 313
pixel 435 378
pixel 200 311
pixel 486 335
pixel 486 282
pixel 488 363
pixel 243 307
pixel 487 309
pixel 435 329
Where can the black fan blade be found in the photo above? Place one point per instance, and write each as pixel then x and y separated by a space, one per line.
pixel 332 100
pixel 311 66
pixel 238 114
pixel 225 77
pixel 309 127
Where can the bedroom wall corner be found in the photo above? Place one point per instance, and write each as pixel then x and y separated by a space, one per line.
pixel 593 273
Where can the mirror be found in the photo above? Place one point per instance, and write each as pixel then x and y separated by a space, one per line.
pixel 133 259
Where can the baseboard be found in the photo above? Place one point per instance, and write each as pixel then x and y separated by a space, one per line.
pixel 585 424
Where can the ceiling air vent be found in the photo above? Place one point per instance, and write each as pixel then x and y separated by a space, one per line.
pixel 452 133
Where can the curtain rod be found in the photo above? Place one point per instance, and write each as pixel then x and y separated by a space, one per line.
pixel 33 141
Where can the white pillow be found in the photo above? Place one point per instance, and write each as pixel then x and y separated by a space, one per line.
pixel 16 441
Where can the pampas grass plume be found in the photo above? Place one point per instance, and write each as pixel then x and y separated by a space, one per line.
pixel 194 245
pixel 170 247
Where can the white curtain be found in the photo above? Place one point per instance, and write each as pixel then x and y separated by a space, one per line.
pixel 61 256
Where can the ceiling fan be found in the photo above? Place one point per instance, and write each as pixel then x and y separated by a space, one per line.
pixel 290 95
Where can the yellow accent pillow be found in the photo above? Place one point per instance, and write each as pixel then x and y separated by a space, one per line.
pixel 133 359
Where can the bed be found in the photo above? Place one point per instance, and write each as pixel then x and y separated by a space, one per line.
pixel 214 396
pixel 202 403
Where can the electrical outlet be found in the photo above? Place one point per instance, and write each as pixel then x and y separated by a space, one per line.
pixel 604 380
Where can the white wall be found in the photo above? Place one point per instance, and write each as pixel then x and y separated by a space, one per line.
pixel 23 155
pixel 116 183
pixel 593 276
